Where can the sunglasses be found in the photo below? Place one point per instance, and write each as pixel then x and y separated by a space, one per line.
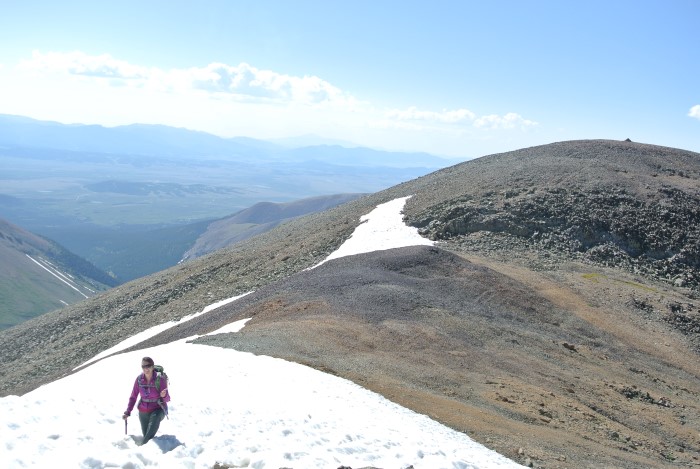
pixel 146 366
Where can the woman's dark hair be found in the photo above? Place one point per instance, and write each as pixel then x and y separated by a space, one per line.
pixel 147 360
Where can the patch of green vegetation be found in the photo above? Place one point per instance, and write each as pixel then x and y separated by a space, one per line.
pixel 592 276
pixel 637 285
pixel 596 277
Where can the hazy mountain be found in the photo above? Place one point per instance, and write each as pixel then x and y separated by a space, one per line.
pixel 556 320
pixel 136 139
pixel 130 252
pixel 140 192
pixel 258 219
pixel 170 142
pixel 39 275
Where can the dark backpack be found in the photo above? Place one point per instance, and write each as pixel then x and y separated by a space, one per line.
pixel 160 373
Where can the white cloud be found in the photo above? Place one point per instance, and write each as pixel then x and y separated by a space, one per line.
pixel 695 111
pixel 242 82
pixel 246 80
pixel 234 100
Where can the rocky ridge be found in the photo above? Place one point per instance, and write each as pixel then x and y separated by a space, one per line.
pixel 658 238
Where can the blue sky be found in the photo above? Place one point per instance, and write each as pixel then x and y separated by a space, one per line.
pixel 457 78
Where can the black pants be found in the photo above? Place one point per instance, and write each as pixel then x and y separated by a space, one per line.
pixel 150 421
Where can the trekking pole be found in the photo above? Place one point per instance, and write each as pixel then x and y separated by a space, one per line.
pixel 125 424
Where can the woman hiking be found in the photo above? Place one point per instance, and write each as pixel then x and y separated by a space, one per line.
pixel 152 406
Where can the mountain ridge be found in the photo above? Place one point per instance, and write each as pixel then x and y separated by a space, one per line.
pixel 166 141
pixel 550 355
pixel 39 275
pixel 258 219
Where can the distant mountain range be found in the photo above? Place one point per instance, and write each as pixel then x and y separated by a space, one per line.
pixel 170 142
pixel 129 198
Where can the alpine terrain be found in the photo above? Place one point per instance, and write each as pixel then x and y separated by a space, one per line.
pixel 39 275
pixel 554 319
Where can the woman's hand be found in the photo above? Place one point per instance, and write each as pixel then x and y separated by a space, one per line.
pixel 164 392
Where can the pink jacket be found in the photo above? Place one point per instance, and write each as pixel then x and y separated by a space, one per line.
pixel 149 395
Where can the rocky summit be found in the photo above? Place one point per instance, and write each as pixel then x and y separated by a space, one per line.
pixel 555 320
pixel 618 204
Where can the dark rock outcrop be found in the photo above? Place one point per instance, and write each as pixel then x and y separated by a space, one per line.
pixel 620 204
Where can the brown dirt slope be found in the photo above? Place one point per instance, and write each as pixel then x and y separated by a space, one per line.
pixel 557 370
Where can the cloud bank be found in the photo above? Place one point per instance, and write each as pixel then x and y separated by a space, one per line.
pixel 233 100
pixel 243 81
